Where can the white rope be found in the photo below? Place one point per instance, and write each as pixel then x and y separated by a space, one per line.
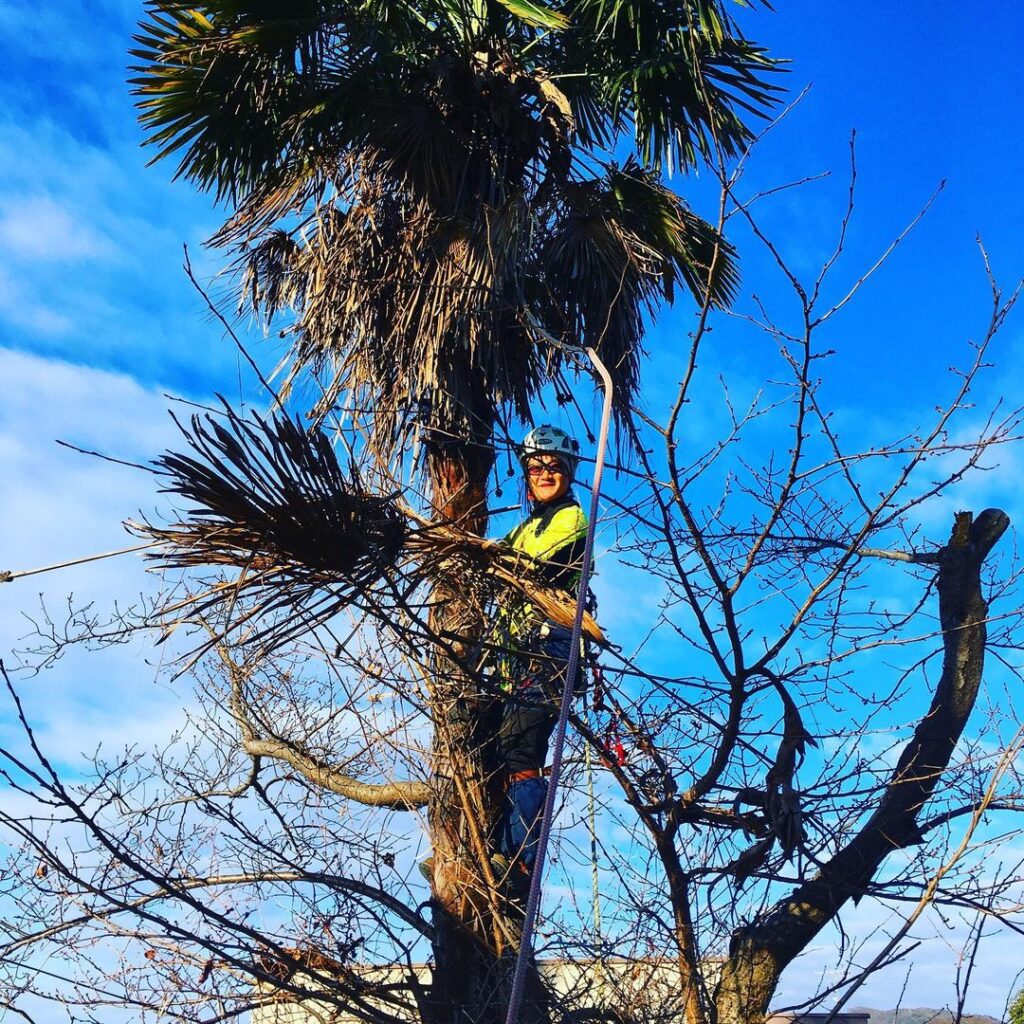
pixel 7 576
pixel 595 878
pixel 533 901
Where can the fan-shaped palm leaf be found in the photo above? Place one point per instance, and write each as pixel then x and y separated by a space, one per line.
pixel 619 245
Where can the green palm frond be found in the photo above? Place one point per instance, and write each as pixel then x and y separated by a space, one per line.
pixel 214 94
pixel 536 14
pixel 678 74
pixel 620 245
pixel 237 92
pixel 685 245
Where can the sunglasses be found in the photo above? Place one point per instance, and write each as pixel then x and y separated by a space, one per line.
pixel 554 466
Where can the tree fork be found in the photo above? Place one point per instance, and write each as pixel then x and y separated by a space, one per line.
pixel 760 952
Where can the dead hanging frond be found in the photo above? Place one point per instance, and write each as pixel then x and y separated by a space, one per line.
pixel 271 500
pixel 779 800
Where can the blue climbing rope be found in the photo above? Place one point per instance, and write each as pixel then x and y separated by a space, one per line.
pixel 572 669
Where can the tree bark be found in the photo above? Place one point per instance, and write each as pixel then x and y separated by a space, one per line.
pixel 399 796
pixel 690 982
pixel 760 951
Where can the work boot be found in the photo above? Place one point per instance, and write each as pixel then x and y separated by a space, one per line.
pixel 499 867
pixel 518 885
pixel 511 878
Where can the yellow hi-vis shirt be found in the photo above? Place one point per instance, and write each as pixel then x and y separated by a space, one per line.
pixel 547 531
pixel 555 535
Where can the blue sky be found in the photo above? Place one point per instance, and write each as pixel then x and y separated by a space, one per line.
pixel 97 319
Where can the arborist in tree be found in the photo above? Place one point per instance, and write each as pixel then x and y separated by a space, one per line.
pixel 533 653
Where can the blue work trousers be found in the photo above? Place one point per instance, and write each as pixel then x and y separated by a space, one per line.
pixel 524 803
pixel 529 719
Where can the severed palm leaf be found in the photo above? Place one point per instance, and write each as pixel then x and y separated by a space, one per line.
pixel 308 539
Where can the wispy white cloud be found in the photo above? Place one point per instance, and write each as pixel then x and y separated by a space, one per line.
pixel 23 310
pixel 37 228
pixel 82 229
pixel 90 239
pixel 56 505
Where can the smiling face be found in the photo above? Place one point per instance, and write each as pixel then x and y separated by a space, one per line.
pixel 547 477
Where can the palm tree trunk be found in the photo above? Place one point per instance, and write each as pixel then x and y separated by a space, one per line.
pixel 476 940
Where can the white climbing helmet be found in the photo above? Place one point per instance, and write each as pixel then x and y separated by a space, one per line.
pixel 548 440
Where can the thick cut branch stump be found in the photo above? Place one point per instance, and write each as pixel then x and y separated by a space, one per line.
pixel 759 952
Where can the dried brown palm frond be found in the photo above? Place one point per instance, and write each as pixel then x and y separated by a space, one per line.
pixel 413 308
pixel 413 283
pixel 270 488
pixel 272 501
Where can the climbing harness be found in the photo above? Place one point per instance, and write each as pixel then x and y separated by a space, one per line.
pixel 533 900
pixel 528 773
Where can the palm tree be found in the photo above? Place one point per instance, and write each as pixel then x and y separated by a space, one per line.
pixel 421 185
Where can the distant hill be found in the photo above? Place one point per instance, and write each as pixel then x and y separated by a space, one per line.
pixel 921 1015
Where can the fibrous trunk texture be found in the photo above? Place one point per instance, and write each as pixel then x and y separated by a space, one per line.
pixel 476 939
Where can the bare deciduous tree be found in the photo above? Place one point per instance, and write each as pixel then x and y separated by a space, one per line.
pixel 799 728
